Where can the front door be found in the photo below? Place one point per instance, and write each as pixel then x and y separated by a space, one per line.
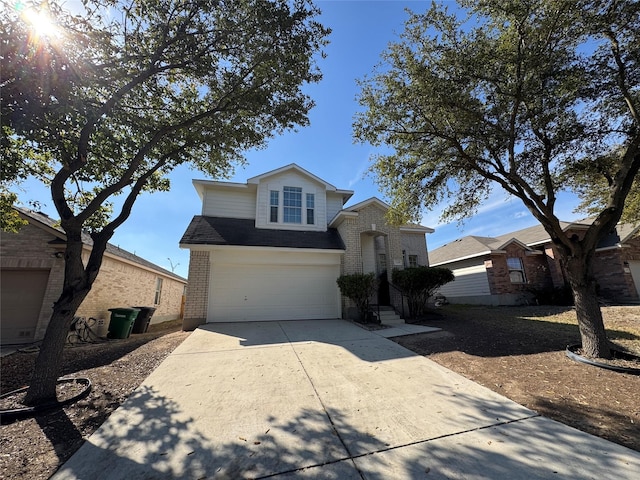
pixel 384 298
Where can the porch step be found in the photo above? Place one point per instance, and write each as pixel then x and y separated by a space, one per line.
pixel 388 316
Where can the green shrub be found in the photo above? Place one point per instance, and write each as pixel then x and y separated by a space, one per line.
pixel 419 283
pixel 358 287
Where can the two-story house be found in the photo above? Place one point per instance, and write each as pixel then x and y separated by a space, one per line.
pixel 272 248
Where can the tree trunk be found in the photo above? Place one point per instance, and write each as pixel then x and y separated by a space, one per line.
pixel 48 364
pixel 592 331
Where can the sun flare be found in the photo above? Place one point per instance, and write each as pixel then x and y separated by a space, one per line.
pixel 41 23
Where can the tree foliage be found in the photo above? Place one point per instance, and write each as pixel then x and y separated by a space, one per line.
pixel 593 183
pixel 116 96
pixel 420 283
pixel 358 287
pixel 517 95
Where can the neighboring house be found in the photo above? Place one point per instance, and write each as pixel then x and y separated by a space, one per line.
pixel 272 248
pixel 504 270
pixel 32 271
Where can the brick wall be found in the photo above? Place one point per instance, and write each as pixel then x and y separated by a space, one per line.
pixel 613 273
pixel 119 284
pixel 536 270
pixel 351 230
pixel 195 310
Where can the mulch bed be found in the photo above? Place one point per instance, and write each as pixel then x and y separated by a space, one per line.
pixel 35 447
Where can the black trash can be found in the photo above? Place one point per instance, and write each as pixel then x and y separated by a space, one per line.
pixel 143 319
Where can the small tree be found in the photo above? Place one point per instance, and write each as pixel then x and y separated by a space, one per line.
pixel 358 287
pixel 420 283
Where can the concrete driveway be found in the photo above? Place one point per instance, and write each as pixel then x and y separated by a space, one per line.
pixel 328 399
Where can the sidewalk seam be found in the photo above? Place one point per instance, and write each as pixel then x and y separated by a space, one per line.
pixel 326 412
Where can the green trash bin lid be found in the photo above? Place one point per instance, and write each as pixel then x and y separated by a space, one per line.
pixel 129 313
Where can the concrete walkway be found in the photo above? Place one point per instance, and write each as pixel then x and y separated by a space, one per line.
pixel 327 399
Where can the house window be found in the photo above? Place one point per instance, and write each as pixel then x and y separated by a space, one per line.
pixel 292 204
pixel 156 301
pixel 413 261
pixel 311 200
pixel 516 270
pixel 273 205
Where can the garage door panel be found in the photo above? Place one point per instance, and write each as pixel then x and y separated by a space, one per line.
pixel 22 294
pixel 273 292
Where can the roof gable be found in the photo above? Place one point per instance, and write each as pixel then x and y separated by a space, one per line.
pixel 472 246
pixel 288 168
pixel 366 203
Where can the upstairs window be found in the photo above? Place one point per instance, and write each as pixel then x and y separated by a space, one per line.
pixel 292 204
pixel 274 202
pixel 516 270
pixel 311 200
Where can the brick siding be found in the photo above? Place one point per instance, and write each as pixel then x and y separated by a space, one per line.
pixel 119 284
pixel 195 310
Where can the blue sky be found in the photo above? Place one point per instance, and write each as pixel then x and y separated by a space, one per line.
pixel 361 32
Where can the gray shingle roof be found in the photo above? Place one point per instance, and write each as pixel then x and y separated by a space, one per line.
pixel 243 232
pixel 471 246
pixel 87 240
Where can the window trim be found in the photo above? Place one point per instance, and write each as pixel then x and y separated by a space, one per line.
pixel 311 208
pixel 520 270
pixel 158 293
pixel 274 195
pixel 292 205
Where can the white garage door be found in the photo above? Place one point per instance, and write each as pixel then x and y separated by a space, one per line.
pixel 22 294
pixel 258 292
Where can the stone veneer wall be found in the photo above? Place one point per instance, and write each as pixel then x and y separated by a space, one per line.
pixel 195 310
pixel 351 230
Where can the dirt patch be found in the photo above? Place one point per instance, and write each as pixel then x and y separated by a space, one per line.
pixel 34 448
pixel 519 352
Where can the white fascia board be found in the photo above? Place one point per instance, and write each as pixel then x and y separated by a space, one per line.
pixel 473 255
pixel 292 166
pixel 340 216
pixel 346 195
pixel 210 248
pixel 417 229
pixel 513 240
pixel 368 201
pixel 140 266
pixel 201 185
